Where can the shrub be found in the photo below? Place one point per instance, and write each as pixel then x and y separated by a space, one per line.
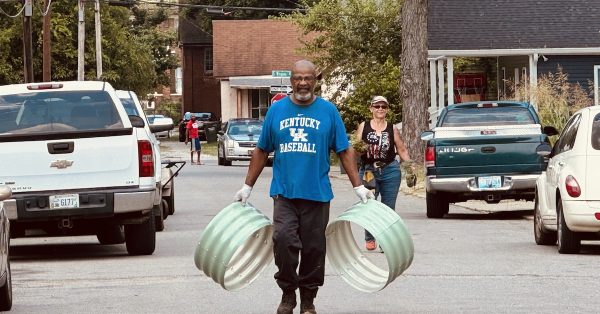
pixel 556 99
pixel 170 109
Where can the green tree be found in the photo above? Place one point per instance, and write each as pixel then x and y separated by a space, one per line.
pixel 357 45
pixel 131 49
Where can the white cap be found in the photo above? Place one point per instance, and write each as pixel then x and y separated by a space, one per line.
pixel 377 99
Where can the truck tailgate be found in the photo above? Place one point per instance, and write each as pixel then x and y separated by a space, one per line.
pixel 487 150
pixel 94 162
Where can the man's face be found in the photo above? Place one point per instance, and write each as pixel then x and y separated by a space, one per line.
pixel 303 83
pixel 193 118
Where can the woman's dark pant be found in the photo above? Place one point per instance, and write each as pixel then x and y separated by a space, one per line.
pixel 387 181
pixel 299 232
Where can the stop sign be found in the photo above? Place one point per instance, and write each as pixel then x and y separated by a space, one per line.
pixel 278 96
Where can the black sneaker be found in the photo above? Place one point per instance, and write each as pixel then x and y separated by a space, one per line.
pixel 288 302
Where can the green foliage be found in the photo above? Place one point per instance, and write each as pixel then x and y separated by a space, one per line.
pixel 171 110
pixel 556 98
pixel 134 51
pixel 357 46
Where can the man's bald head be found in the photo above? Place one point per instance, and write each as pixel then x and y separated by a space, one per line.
pixel 304 76
pixel 304 66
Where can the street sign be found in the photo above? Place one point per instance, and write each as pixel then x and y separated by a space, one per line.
pixel 278 96
pixel 281 73
pixel 280 89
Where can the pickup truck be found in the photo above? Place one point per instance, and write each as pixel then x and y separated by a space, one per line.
pixel 484 151
pixel 77 164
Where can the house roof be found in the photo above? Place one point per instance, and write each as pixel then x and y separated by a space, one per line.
pixel 513 24
pixel 254 47
pixel 190 33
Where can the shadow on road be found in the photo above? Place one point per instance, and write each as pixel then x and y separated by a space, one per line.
pixel 65 252
pixel 505 215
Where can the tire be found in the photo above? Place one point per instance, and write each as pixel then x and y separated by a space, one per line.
pixel 219 158
pixel 140 239
pixel 225 161
pixel 112 234
pixel 437 205
pixel 269 163
pixel 568 241
pixel 171 199
pixel 6 290
pixel 159 220
pixel 542 235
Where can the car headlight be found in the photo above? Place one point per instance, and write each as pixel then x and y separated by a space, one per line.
pixel 230 143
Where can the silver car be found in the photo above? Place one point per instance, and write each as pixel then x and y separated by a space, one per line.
pixel 238 139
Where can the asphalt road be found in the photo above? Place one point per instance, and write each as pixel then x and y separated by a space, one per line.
pixel 469 262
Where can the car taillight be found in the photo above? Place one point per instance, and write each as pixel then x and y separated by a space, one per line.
pixel 572 186
pixel 45 86
pixel 146 160
pixel 430 156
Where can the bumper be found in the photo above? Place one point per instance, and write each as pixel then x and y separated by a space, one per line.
pixel 97 203
pixel 469 184
pixel 580 215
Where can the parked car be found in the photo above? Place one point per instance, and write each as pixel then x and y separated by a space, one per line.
pixel 205 120
pixel 567 204
pixel 77 164
pixel 5 274
pixel 238 140
pixel 159 119
pixel 163 196
pixel 484 151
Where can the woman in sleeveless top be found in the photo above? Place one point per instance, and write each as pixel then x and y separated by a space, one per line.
pixel 382 141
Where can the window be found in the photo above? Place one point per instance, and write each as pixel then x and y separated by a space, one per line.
pixel 208 60
pixel 487 116
pixel 596 132
pixel 567 137
pixel 260 103
pixel 178 80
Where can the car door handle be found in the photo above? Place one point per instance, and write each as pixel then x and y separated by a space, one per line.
pixel 561 163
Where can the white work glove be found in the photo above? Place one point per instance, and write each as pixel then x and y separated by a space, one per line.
pixel 363 193
pixel 243 194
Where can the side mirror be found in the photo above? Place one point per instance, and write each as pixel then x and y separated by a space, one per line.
pixel 550 130
pixel 5 192
pixel 155 128
pixel 543 150
pixel 221 132
pixel 136 121
pixel 427 135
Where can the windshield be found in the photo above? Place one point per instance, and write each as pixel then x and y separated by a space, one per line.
pixel 56 111
pixel 245 128
pixel 487 116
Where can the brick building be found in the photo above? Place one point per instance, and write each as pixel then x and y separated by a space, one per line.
pixel 246 52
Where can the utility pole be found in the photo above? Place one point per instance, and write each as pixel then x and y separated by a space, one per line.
pixel 27 45
pixel 98 39
pixel 81 42
pixel 46 45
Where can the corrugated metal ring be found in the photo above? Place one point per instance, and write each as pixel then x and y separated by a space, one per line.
pixel 390 233
pixel 235 246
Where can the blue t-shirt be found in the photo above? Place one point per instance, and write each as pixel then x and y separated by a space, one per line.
pixel 301 138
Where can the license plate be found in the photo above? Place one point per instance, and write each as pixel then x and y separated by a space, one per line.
pixel 64 201
pixel 492 182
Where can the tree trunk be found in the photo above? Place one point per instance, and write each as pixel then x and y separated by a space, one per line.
pixel 413 84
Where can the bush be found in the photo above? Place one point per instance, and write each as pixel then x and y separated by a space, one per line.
pixel 170 109
pixel 556 99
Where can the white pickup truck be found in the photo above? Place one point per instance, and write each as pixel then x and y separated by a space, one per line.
pixel 77 164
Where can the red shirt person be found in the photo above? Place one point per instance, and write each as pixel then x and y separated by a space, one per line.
pixel 191 130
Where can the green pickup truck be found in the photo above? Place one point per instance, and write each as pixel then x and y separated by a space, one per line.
pixel 484 151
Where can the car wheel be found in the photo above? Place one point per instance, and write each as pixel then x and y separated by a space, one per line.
pixel 140 239
pixel 6 290
pixel 219 157
pixel 225 161
pixel 112 234
pixel 437 205
pixel 159 223
pixel 542 235
pixel 568 241
pixel 171 199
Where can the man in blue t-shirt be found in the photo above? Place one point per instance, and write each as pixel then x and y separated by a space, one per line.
pixel 301 130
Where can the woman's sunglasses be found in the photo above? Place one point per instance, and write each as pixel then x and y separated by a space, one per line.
pixel 380 106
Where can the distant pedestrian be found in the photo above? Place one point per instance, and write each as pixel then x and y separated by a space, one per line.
pixel 379 166
pixel 191 134
pixel 301 129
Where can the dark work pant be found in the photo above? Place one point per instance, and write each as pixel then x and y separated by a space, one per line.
pixel 299 231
